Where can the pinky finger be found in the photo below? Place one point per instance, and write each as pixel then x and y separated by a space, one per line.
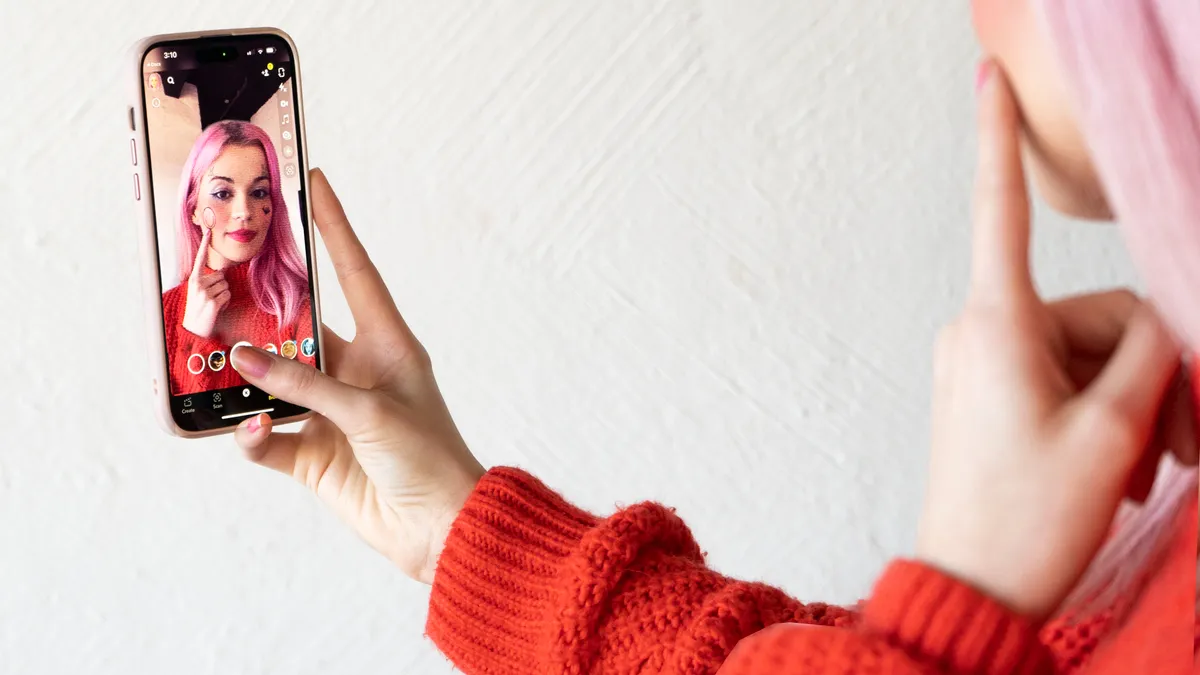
pixel 274 451
pixel 223 298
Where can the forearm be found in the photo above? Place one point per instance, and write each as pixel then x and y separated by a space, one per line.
pixel 528 583
pixel 918 621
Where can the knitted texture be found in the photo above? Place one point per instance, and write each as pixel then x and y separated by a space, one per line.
pixel 529 584
pixel 1158 634
pixel 240 320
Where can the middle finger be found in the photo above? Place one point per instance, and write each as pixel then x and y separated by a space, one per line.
pixel 1093 324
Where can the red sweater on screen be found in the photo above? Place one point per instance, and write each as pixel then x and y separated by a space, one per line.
pixel 240 320
pixel 528 584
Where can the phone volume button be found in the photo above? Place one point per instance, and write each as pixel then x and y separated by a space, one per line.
pixel 137 189
pixel 133 151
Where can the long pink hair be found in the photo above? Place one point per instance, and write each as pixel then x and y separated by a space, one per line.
pixel 1134 70
pixel 278 274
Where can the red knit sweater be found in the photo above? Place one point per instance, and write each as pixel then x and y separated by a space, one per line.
pixel 240 320
pixel 528 584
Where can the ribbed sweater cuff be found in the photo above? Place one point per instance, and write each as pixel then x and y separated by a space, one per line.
pixel 938 619
pixel 498 577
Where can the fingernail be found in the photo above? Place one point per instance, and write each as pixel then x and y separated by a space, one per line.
pixel 254 424
pixel 250 361
pixel 209 216
pixel 986 68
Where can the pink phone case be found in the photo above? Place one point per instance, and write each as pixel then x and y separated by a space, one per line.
pixel 148 240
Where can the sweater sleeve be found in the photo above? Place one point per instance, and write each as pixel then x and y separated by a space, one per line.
pixel 917 622
pixel 528 584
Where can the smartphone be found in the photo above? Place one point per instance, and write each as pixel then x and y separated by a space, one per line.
pixel 220 184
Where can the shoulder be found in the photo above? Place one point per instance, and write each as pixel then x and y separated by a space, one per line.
pixel 175 294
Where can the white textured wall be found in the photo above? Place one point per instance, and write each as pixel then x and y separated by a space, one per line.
pixel 688 251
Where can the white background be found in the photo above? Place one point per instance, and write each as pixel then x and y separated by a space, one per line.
pixel 692 251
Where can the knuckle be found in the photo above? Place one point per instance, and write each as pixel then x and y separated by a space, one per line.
pixel 374 411
pixel 980 321
pixel 1107 421
pixel 310 475
pixel 421 360
pixel 1127 295
pixel 1123 301
pixel 401 351
pixel 302 379
pixel 1129 304
pixel 352 266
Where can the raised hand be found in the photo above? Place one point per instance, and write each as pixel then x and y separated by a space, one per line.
pixel 207 294
pixel 1044 414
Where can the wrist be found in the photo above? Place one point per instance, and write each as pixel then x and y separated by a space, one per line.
pixel 196 331
pixel 992 585
pixel 443 516
pixel 938 618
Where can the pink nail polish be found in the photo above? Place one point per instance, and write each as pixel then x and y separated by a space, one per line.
pixel 254 425
pixel 986 68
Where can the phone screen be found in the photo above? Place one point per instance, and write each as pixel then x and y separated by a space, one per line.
pixel 228 190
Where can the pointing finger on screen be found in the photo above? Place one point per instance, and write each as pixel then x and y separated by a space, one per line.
pixel 301 384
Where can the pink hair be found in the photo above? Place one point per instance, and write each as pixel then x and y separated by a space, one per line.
pixel 278 274
pixel 1134 70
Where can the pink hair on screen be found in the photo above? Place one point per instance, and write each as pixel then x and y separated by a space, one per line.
pixel 1133 67
pixel 278 274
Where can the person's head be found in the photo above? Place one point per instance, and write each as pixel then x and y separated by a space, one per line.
pixel 231 183
pixel 1110 94
pixel 1011 32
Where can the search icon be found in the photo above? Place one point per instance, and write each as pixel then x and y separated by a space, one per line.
pixel 170 80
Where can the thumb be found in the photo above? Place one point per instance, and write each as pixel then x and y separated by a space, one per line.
pixel 298 383
pixel 1129 392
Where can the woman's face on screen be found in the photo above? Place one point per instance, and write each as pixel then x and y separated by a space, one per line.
pixel 1058 158
pixel 237 187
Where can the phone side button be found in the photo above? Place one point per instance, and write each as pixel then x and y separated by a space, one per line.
pixel 133 151
pixel 137 189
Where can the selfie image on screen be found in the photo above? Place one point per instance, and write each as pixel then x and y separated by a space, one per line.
pixel 228 192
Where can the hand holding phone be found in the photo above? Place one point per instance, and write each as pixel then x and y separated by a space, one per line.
pixel 206 293
pixel 384 453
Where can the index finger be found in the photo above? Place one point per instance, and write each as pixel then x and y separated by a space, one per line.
pixel 1000 249
pixel 201 253
pixel 366 293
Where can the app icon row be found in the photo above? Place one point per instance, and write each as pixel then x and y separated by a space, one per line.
pixel 216 360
